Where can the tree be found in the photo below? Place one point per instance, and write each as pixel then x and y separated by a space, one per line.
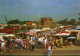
pixel 79 18
pixel 14 21
pixel 64 21
pixel 73 21
pixel 79 13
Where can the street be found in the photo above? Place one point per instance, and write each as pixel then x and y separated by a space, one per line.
pixel 71 51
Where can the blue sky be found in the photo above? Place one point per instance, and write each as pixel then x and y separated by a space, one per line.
pixel 28 9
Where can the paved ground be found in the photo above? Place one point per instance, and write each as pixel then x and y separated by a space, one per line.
pixel 70 51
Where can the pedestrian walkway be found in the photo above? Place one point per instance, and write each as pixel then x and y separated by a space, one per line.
pixel 69 48
pixel 74 50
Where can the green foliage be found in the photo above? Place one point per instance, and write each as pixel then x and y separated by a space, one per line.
pixel 13 21
pixel 64 21
pixel 79 18
pixel 67 22
pixel 16 21
pixel 73 21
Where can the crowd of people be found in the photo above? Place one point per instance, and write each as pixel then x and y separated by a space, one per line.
pixel 44 39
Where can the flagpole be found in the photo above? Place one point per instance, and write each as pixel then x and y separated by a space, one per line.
pixel 6 20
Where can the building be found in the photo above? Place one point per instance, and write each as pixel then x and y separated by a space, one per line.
pixel 46 21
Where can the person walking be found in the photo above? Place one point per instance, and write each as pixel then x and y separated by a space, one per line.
pixel 49 50
pixel 33 45
pixel 10 46
pixel 3 46
pixel 18 42
pixel 27 44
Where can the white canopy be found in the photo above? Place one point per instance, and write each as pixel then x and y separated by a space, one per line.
pixel 46 28
pixel 71 38
pixel 35 30
pixel 9 35
pixel 72 30
pixel 62 34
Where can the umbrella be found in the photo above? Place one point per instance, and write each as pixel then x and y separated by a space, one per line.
pixel 31 32
pixel 71 38
pixel 78 27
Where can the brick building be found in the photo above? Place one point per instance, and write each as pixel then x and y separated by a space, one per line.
pixel 46 21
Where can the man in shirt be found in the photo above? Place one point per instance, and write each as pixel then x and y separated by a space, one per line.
pixel 49 50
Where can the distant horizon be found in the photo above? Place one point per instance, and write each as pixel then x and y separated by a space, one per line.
pixel 26 10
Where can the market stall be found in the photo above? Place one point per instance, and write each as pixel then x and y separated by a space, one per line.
pixel 1 35
pixel 8 36
pixel 31 32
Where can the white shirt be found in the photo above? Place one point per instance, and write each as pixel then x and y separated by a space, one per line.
pixel 40 39
pixel 31 38
pixel 49 47
pixel 2 44
pixel 45 41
